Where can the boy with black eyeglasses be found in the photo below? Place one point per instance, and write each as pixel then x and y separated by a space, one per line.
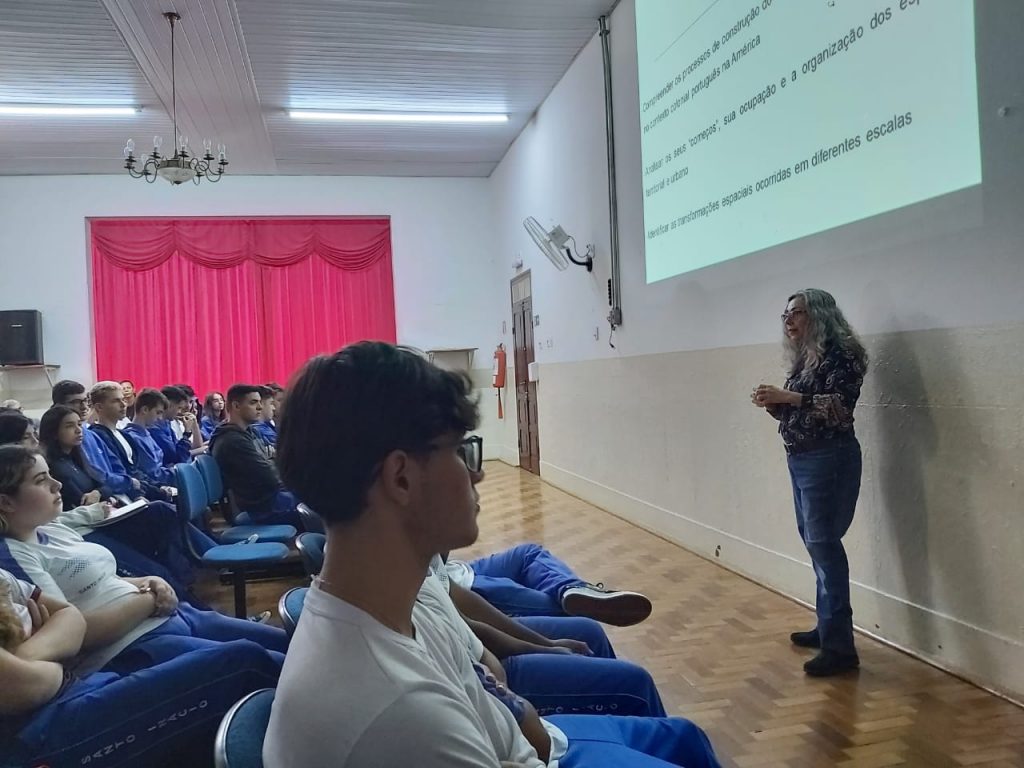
pixel 378 673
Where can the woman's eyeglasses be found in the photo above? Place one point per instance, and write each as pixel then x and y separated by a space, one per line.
pixel 792 313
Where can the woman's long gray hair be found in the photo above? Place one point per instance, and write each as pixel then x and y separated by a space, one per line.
pixel 826 326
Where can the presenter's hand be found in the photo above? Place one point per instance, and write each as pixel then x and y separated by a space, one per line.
pixel 767 394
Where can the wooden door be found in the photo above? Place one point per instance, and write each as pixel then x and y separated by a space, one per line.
pixel 526 391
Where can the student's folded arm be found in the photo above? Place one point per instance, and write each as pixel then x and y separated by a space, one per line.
pixel 27 685
pixel 60 638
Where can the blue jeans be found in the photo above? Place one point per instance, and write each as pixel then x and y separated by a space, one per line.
pixel 826 483
pixel 570 683
pixel 139 719
pixel 628 742
pixel 525 580
pixel 282 511
pixel 191 629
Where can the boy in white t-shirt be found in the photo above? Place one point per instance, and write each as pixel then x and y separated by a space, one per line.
pixel 374 439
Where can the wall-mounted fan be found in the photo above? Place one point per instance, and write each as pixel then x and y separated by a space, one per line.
pixel 554 244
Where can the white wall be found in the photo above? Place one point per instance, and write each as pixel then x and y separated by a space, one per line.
pixel 660 429
pixel 445 293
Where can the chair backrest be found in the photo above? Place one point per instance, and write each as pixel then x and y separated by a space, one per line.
pixel 289 608
pixel 212 478
pixel 311 521
pixel 239 742
pixel 311 548
pixel 191 499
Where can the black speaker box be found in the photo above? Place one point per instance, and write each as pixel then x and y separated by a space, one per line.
pixel 21 337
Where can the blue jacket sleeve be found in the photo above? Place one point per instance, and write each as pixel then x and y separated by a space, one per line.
pixel 111 481
pixel 148 457
pixel 206 426
pixel 174 451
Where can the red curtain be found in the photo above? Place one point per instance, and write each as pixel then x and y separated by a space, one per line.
pixel 211 302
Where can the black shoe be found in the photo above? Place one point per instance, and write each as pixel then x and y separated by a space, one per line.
pixel 828 663
pixel 616 607
pixel 806 639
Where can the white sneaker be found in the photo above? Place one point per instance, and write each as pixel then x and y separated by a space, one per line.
pixel 621 609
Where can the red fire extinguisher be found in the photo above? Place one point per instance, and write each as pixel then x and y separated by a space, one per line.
pixel 498 376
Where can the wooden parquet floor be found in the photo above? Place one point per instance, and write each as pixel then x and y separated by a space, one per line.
pixel 717 645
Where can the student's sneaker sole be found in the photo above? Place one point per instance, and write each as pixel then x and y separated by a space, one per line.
pixel 620 609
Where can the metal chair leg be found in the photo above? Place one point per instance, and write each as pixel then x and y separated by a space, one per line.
pixel 238 579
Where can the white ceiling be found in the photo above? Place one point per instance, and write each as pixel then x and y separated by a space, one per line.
pixel 242 63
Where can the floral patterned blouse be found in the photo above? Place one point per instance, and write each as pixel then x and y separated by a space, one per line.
pixel 830 396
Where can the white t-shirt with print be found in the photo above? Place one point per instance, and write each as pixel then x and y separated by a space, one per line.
pixel 65 566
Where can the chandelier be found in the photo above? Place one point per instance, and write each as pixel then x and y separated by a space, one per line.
pixel 182 166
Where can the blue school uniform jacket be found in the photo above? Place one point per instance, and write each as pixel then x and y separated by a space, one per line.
pixel 175 451
pixel 111 481
pixel 149 459
pixel 121 463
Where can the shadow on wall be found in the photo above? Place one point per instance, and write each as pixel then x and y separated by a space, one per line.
pixel 926 453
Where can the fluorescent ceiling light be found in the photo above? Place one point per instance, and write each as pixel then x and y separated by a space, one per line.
pixel 396 117
pixel 27 110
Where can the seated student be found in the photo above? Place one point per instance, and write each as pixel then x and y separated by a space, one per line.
pixel 192 404
pixel 131 623
pixel 245 463
pixel 279 393
pixel 16 429
pixel 128 388
pixel 72 394
pixel 150 406
pixel 108 409
pixel 155 532
pixel 575 674
pixel 265 428
pixel 528 580
pixel 177 433
pixel 374 441
pixel 214 414
pixel 52 717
